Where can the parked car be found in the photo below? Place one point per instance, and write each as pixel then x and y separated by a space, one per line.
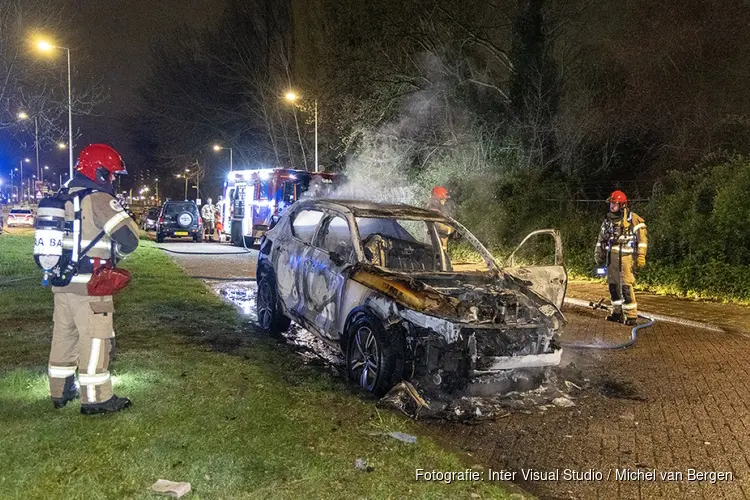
pixel 179 219
pixel 374 280
pixel 21 217
pixel 150 218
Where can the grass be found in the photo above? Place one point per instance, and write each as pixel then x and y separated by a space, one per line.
pixel 235 414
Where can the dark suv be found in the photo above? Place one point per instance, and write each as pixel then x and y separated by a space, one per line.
pixel 179 219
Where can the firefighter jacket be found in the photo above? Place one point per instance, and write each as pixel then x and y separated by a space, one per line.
pixel 622 242
pixel 100 211
pixel 444 230
pixel 208 212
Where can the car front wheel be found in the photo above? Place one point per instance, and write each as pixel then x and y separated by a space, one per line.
pixel 270 317
pixel 374 357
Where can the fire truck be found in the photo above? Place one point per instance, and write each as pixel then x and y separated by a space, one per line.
pixel 254 199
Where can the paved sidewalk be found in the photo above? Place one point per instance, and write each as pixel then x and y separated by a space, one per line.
pixel 731 317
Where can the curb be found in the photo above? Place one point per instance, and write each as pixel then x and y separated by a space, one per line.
pixel 667 319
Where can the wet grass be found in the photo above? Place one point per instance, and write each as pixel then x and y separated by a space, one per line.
pixel 215 404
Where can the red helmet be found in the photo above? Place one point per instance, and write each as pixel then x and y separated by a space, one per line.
pixel 100 163
pixel 440 193
pixel 618 197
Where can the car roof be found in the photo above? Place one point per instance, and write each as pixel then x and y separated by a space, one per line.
pixel 362 208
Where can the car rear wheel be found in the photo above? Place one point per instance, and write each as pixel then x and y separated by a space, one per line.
pixel 198 237
pixel 374 358
pixel 270 317
pixel 159 238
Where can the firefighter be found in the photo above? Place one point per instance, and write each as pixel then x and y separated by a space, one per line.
pixel 440 200
pixel 208 213
pixel 622 246
pixel 83 338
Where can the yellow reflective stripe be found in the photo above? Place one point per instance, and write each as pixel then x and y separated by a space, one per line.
pixel 639 226
pixel 630 306
pixel 642 245
pixel 116 219
pixel 617 302
pixel 96 346
pixel 624 250
pixel 81 278
pixel 95 379
pixel 61 371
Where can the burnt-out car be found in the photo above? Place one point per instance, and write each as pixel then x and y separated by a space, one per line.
pixel 374 279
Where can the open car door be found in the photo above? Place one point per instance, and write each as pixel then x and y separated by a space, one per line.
pixel 546 275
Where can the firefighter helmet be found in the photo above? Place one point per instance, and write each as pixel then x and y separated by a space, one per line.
pixel 100 163
pixel 618 197
pixel 440 193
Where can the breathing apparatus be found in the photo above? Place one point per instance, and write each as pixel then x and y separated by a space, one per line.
pixel 48 237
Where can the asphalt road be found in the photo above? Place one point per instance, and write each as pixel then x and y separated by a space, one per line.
pixel 677 401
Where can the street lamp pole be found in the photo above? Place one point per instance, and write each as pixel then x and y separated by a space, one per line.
pixel 219 148
pixel 157 190
pixel 316 136
pixel 70 120
pixel 46 46
pixel 186 184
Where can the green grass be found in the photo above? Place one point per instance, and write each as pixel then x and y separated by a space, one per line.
pixel 215 404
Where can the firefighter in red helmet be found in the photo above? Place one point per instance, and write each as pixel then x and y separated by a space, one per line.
pixel 98 233
pixel 440 200
pixel 622 247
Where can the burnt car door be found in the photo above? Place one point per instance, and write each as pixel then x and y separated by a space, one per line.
pixel 292 254
pixel 332 254
pixel 542 269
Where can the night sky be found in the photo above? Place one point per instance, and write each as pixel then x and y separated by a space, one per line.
pixel 114 38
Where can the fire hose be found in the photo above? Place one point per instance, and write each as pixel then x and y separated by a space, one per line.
pixel 633 333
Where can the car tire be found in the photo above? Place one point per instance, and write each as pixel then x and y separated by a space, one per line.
pixel 270 317
pixel 198 238
pixel 159 238
pixel 374 357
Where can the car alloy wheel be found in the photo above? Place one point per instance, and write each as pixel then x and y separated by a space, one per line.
pixel 364 362
pixel 270 318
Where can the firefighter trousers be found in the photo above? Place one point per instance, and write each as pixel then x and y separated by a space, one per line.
pixel 82 339
pixel 621 281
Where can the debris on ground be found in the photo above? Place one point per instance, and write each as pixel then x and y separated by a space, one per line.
pixel 171 488
pixel 406 438
pixel 361 464
pixel 563 402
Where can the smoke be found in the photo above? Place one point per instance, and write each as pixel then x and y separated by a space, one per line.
pixel 395 161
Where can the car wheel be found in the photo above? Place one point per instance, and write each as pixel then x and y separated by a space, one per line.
pixel 270 317
pixel 374 357
pixel 198 238
pixel 159 238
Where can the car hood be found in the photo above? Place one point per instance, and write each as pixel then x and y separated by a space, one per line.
pixel 477 298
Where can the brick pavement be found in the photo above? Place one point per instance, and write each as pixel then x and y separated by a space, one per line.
pixel 678 399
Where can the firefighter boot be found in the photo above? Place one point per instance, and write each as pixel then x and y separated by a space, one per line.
pixel 112 405
pixel 616 317
pixel 631 322
pixel 61 402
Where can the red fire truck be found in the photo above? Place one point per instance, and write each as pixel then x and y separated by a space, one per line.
pixel 254 198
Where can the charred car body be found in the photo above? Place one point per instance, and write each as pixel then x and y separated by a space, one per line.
pixel 374 279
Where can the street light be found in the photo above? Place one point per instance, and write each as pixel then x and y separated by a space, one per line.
pixel 22 115
pixel 21 189
pixel 292 97
pixel 61 145
pixel 219 148
pixel 47 47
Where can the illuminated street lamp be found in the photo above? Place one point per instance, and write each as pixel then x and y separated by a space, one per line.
pixel 292 97
pixel 22 115
pixel 61 145
pixel 47 47
pixel 219 148
pixel 21 190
